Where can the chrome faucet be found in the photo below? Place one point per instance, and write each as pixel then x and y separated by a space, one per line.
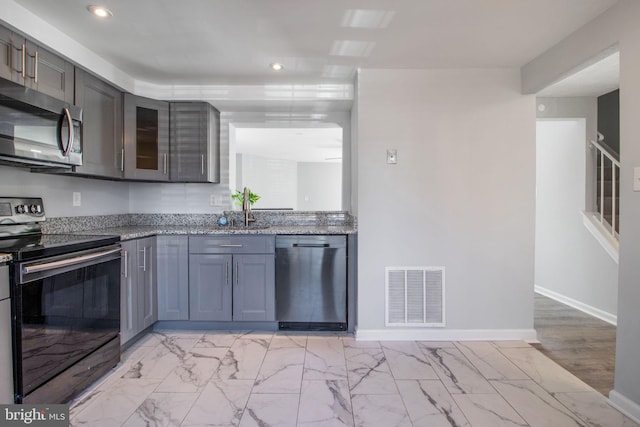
pixel 246 207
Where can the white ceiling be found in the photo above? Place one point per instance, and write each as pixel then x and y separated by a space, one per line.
pixel 297 144
pixel 233 41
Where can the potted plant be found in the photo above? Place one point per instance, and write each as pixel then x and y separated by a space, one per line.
pixel 238 198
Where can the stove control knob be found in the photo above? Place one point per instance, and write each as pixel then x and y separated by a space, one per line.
pixel 35 209
pixel 21 209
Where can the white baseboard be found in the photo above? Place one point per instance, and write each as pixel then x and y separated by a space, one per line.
pixel 406 334
pixel 593 311
pixel 625 405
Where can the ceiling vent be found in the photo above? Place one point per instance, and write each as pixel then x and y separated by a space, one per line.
pixel 414 296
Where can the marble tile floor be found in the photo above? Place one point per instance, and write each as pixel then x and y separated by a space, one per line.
pixel 197 378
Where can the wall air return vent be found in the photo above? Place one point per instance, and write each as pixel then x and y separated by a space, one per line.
pixel 414 296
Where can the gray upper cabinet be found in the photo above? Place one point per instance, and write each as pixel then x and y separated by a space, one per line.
pixel 28 64
pixel 146 138
pixel 173 277
pixel 195 142
pixel 7 54
pixel 103 148
pixel 52 74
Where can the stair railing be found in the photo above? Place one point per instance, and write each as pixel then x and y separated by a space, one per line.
pixel 615 169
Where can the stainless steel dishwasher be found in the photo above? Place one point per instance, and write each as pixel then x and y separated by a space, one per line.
pixel 311 282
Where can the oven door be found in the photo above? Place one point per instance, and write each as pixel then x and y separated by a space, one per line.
pixel 65 308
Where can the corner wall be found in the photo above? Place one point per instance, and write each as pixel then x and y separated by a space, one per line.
pixel 618 25
pixel 461 196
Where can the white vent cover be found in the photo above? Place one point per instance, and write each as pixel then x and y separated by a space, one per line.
pixel 414 296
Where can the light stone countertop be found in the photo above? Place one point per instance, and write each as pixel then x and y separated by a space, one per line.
pixel 136 232
pixel 5 258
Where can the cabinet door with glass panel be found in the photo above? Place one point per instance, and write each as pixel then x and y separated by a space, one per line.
pixel 146 138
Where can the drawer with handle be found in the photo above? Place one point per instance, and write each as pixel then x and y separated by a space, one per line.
pixel 231 244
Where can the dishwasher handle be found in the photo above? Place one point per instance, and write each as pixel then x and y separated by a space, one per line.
pixel 311 245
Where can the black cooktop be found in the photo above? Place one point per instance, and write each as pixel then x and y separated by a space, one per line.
pixel 35 246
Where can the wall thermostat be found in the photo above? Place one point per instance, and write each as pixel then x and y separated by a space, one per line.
pixel 392 157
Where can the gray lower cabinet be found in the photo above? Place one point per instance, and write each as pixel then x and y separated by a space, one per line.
pixel 173 277
pixel 254 292
pixel 232 278
pixel 103 148
pixel 194 142
pixel 139 308
pixel 210 291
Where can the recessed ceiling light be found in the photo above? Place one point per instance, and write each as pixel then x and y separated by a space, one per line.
pixel 276 66
pixel 100 11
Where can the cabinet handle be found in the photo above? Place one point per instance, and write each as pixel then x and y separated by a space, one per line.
pixel 165 163
pixel 201 164
pixel 122 159
pixel 236 275
pixel 126 263
pixel 35 67
pixel 226 273
pixel 24 61
pixel 229 246
pixel 33 76
pixel 9 55
pixel 144 259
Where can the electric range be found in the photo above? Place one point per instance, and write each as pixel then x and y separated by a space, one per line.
pixel 65 304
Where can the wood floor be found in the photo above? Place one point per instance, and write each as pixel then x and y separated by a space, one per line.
pixel 582 344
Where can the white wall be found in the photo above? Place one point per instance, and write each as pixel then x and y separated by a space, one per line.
pixel 617 25
pixel 319 186
pixel 98 197
pixel 350 198
pixel 568 259
pixel 274 180
pixel 585 107
pixel 150 197
pixel 461 196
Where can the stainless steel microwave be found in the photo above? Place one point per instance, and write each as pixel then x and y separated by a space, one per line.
pixel 38 130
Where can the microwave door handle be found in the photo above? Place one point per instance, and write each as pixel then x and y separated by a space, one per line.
pixel 70 134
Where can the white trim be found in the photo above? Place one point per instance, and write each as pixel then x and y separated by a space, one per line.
pixel 585 308
pixel 400 334
pixel 625 405
pixel 601 234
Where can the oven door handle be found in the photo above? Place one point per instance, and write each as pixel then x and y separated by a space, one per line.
pixel 67 262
